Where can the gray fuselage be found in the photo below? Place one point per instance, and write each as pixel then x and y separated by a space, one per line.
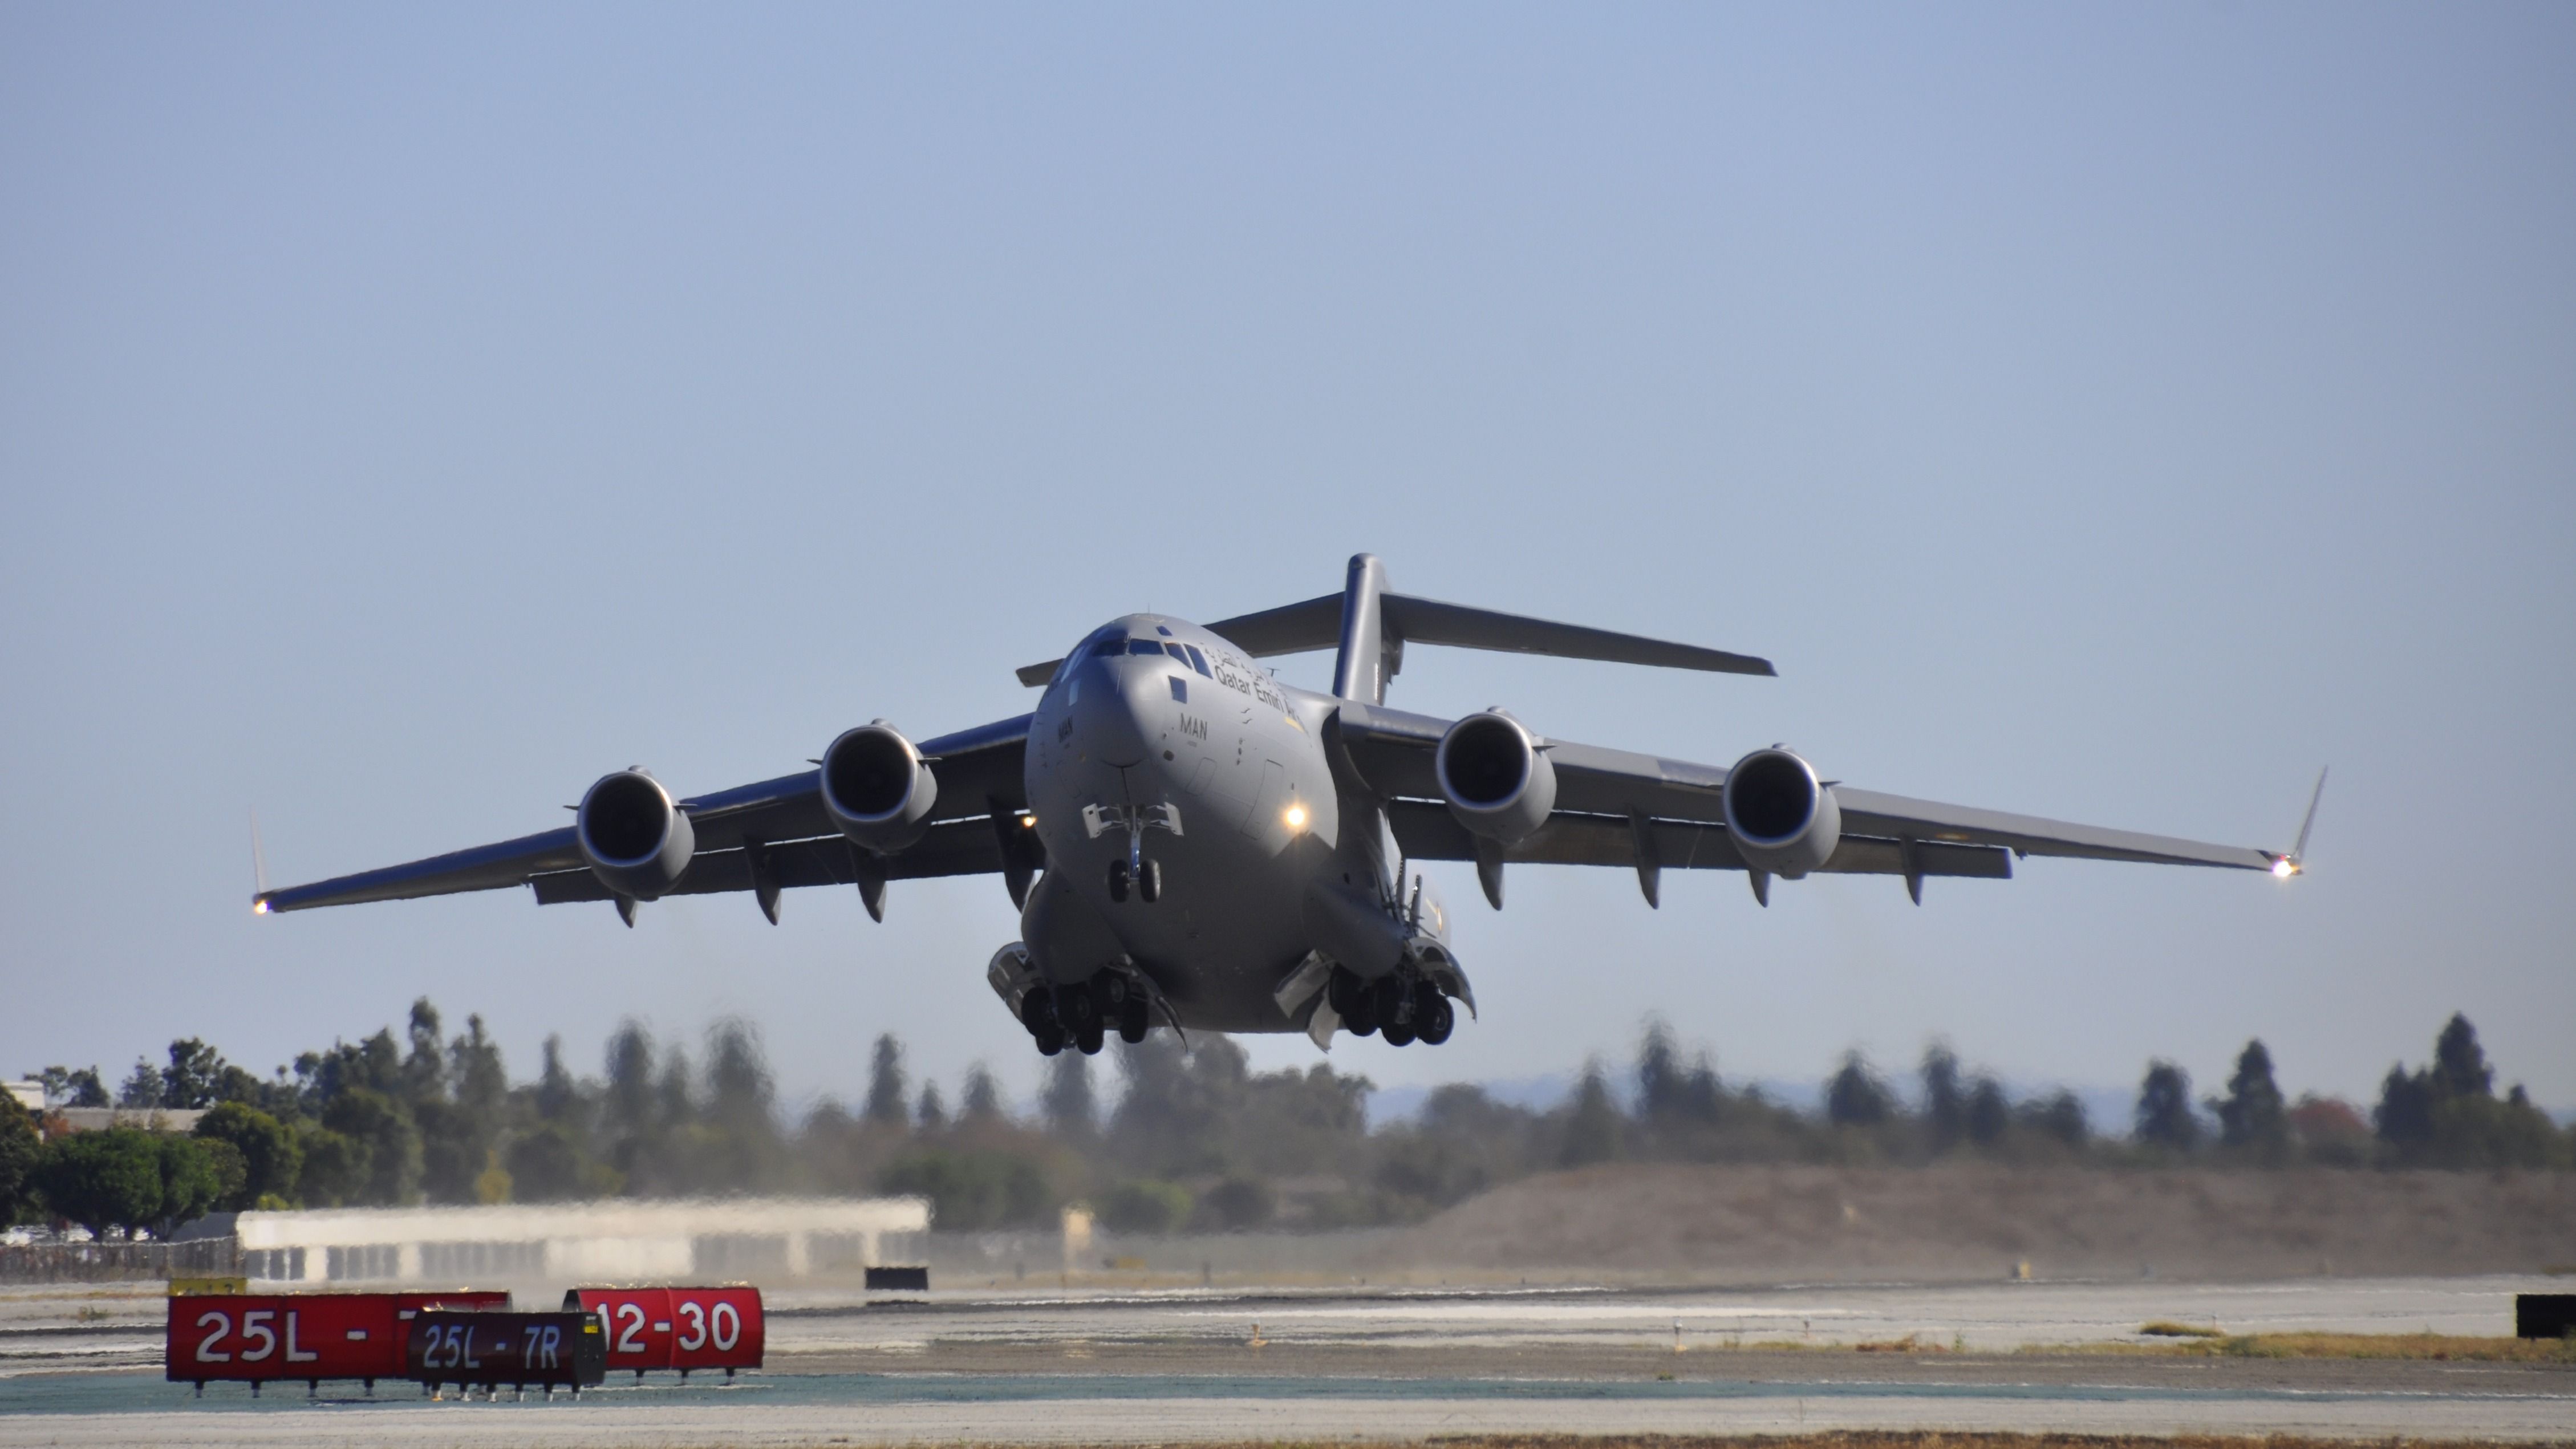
pixel 1239 760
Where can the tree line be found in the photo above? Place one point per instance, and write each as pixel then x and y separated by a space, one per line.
pixel 1193 1139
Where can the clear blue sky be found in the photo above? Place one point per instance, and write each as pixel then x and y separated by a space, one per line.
pixel 407 415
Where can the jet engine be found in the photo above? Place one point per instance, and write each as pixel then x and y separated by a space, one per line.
pixel 1495 777
pixel 877 788
pixel 1783 820
pixel 635 839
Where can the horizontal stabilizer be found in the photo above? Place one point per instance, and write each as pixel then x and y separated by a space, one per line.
pixel 1429 621
pixel 1317 624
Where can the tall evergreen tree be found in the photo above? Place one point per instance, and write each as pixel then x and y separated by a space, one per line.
pixel 1945 1099
pixel 2164 1117
pixel 1663 1087
pixel 1855 1097
pixel 983 1095
pixel 1066 1101
pixel 1593 1123
pixel 557 1093
pixel 2459 1064
pixel 886 1106
pixel 2252 1117
pixel 1989 1113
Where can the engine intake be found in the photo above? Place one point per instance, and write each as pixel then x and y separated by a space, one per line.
pixel 1495 777
pixel 1782 819
pixel 634 838
pixel 877 788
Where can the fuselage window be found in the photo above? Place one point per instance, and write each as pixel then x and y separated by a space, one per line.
pixel 1180 690
pixel 1198 661
pixel 1143 646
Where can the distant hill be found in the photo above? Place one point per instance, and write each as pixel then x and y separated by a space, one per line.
pixel 1774 1222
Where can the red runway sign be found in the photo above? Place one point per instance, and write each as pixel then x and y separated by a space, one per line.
pixel 309 1336
pixel 678 1328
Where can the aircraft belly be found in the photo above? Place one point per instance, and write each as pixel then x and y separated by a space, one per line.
pixel 1257 815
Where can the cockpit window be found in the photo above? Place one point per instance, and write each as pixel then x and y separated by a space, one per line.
pixel 1198 661
pixel 1143 646
pixel 1173 648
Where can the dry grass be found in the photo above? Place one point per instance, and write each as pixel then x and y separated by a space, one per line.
pixel 2167 1328
pixel 1868 1440
pixel 2437 1347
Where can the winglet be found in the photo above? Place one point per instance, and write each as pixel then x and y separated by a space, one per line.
pixel 2294 863
pixel 258 868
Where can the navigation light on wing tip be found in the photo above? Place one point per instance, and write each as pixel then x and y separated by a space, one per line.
pixel 2284 868
pixel 259 907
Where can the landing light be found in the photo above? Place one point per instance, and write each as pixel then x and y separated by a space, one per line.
pixel 1296 817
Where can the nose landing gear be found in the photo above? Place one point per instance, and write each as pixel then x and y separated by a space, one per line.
pixel 1145 877
pixel 1134 872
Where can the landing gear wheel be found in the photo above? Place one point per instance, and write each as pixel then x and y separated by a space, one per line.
pixel 1132 1020
pixel 1079 1013
pixel 1037 1012
pixel 1433 1017
pixel 1050 1040
pixel 1397 1033
pixel 1357 1008
pixel 1394 1002
pixel 1118 880
pixel 1090 1038
pixel 1149 887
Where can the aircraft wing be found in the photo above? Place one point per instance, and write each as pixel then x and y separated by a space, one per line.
pixel 1615 807
pixel 782 820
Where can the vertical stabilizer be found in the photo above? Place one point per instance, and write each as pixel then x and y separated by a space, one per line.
pixel 1369 657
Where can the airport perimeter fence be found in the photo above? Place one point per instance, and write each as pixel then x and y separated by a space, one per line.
pixel 37 1263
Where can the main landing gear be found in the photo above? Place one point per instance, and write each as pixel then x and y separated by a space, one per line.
pixel 1402 1007
pixel 1083 1014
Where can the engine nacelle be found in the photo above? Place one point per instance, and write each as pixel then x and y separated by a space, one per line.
pixel 636 839
pixel 1495 777
pixel 1783 820
pixel 877 788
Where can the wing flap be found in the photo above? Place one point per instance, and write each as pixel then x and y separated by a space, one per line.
pixel 958 847
pixel 980 773
pixel 482 868
pixel 1427 831
pixel 1869 812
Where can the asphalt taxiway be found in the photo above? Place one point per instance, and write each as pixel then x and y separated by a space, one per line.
pixel 1107 1367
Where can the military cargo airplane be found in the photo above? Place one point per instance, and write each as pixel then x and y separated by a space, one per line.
pixel 1193 843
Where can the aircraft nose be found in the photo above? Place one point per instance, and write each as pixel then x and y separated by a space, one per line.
pixel 1111 713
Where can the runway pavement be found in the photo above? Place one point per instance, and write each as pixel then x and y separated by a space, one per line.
pixel 1194 1367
